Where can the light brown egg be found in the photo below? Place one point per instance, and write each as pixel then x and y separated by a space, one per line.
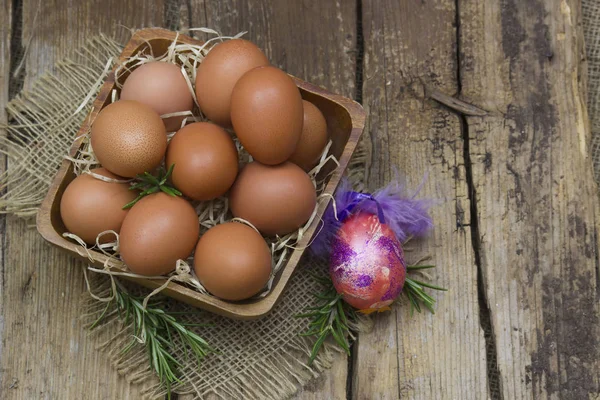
pixel 159 230
pixel 129 138
pixel 90 206
pixel 313 138
pixel 205 158
pixel 277 199
pixel 232 261
pixel 161 86
pixel 218 73
pixel 267 114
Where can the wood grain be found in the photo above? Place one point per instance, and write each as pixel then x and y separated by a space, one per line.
pixel 537 204
pixel 54 29
pixel 313 40
pixel 5 35
pixel 330 385
pixel 50 355
pixel 426 356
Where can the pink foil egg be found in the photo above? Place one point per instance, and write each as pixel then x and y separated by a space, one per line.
pixel 367 263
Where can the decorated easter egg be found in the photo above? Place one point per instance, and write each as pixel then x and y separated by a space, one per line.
pixel 367 264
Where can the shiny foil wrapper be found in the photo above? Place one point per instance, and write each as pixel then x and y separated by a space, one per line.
pixel 367 264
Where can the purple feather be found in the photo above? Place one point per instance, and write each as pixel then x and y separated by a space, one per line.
pixel 404 214
pixel 344 197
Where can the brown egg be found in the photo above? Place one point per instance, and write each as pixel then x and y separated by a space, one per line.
pixel 218 74
pixel 90 206
pixel 159 230
pixel 232 261
pixel 313 138
pixel 161 86
pixel 206 161
pixel 277 199
pixel 129 138
pixel 267 115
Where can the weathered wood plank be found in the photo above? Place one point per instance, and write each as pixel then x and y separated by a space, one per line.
pixel 537 204
pixel 5 35
pixel 47 351
pixel 55 29
pixel 330 385
pixel 426 356
pixel 313 40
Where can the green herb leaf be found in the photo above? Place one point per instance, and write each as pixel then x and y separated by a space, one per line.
pixel 331 318
pixel 149 184
pixel 417 267
pixel 414 290
pixel 153 326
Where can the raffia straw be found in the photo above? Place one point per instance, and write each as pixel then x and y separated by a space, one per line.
pixel 182 274
pixel 96 297
pixel 106 178
pixel 96 85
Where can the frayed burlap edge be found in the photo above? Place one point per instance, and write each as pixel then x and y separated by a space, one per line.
pixel 42 126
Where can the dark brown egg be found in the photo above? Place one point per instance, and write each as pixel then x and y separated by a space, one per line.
pixel 313 138
pixel 90 206
pixel 158 230
pixel 218 74
pixel 267 114
pixel 206 161
pixel 232 261
pixel 277 199
pixel 129 138
pixel 161 86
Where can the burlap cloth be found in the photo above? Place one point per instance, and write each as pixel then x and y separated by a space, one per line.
pixel 264 359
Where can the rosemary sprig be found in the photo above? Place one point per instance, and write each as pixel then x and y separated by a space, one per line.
pixel 155 328
pixel 414 290
pixel 332 317
pixel 149 184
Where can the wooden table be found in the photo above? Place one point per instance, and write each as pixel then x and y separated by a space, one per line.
pixel 516 236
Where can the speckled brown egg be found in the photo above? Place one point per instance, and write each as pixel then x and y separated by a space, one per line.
pixel 129 138
pixel 90 206
pixel 313 138
pixel 267 114
pixel 232 261
pixel 162 86
pixel 218 73
pixel 277 200
pixel 205 158
pixel 159 230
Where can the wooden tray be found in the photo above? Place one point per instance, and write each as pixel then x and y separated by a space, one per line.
pixel 345 120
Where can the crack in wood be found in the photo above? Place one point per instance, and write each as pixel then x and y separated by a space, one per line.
pixel 172 14
pixel 17 51
pixel 485 320
pixel 15 84
pixel 360 52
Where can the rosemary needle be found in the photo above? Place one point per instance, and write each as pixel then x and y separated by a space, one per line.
pixel 149 184
pixel 155 328
pixel 334 317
